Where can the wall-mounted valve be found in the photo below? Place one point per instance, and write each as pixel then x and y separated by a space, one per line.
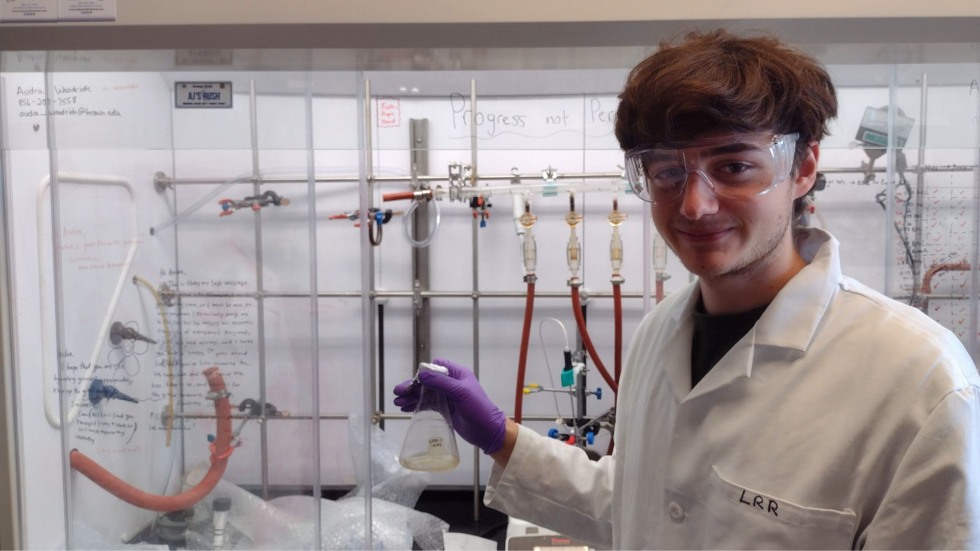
pixel 528 246
pixel 97 391
pixel 616 219
pixel 378 215
pixel 573 251
pixel 119 332
pixel 570 438
pixel 377 218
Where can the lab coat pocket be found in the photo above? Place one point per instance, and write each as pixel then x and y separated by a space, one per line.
pixel 742 518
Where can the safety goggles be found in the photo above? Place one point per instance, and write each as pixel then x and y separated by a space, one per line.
pixel 735 166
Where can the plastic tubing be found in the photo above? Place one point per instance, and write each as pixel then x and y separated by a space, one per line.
pixel 220 451
pixel 170 355
pixel 584 332
pixel 50 408
pixel 525 342
pixel 407 222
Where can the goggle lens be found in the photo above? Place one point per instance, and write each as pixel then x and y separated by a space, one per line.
pixel 738 167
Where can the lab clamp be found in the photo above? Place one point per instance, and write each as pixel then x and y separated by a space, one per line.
pixel 249 410
pixel 255 203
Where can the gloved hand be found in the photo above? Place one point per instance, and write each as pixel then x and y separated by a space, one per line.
pixel 474 417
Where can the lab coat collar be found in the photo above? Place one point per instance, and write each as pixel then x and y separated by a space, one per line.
pixel 789 322
pixel 676 354
pixel 792 318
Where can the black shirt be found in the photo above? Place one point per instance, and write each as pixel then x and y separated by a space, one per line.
pixel 714 336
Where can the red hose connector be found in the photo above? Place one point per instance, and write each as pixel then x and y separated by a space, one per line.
pixel 522 357
pixel 618 330
pixel 220 450
pixel 403 195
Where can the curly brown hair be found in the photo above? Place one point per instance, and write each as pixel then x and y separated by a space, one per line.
pixel 713 81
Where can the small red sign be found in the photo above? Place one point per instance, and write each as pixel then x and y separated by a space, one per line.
pixel 389 113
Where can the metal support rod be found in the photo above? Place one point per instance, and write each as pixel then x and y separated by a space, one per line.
pixel 419 150
pixel 571 182
pixel 11 445
pixel 890 187
pixel 915 169
pixel 314 309
pixel 365 200
pixel 411 294
pixel 259 286
pixel 377 416
pixel 59 306
pixel 580 377
pixel 165 181
pixel 920 187
pixel 476 290
pixel 975 255
pixel 381 361
pixel 649 235
pixel 502 294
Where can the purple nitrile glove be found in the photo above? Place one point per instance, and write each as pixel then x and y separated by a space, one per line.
pixel 473 415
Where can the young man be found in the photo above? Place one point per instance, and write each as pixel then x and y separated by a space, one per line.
pixel 773 402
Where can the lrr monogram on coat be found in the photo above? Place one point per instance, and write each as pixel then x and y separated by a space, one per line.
pixel 758 501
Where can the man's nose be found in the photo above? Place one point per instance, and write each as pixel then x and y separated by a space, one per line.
pixel 698 198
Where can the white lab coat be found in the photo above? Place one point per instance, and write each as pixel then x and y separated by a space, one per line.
pixel 843 419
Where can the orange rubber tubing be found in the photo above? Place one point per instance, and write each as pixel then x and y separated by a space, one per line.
pixel 398 196
pixel 220 451
pixel 584 333
pixel 618 324
pixel 935 269
pixel 522 361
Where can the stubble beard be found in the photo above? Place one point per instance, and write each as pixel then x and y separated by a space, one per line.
pixel 751 262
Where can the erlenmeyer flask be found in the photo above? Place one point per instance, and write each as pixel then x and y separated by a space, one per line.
pixel 430 443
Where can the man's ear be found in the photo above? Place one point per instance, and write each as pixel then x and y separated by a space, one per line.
pixel 806 172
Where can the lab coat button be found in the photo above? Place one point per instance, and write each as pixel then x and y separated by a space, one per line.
pixel 675 511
